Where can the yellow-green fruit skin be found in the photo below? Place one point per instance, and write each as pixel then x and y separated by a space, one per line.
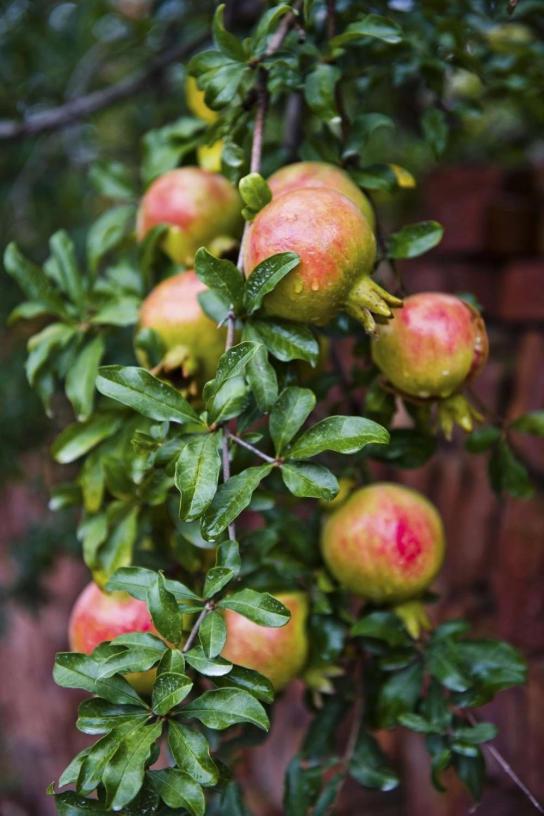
pixel 385 544
pixel 431 346
pixel 173 311
pixel 335 244
pixel 279 654
pixel 200 207
pixel 308 174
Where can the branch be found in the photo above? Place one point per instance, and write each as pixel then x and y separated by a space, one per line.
pixel 194 631
pixel 64 115
pixel 248 446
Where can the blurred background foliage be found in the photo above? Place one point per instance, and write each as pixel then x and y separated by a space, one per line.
pixel 479 73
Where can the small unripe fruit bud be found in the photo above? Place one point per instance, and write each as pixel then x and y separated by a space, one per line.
pixel 202 209
pixel 100 616
pixel 431 346
pixel 279 654
pixel 385 544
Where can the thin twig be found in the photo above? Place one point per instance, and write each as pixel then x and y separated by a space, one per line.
pixel 250 447
pixel 506 767
pixel 83 106
pixel 331 19
pixel 196 626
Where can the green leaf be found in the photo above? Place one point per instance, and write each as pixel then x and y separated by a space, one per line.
pixel 137 581
pixel 231 499
pixel 255 194
pixel 211 667
pixel 117 550
pixel 212 634
pixel 144 393
pixel 124 774
pixel 287 341
pixel 172 660
pixel 531 423
pixel 475 734
pixel 261 376
pixel 399 694
pixel 221 708
pixel 178 790
pixel 507 474
pixel 226 42
pixel 164 610
pixel 302 786
pixel 81 378
pixel 384 626
pixel 249 680
pixel 415 723
pixel 310 481
pixel 32 281
pixel 320 91
pixel 368 765
pixel 371 25
pixel 74 670
pixel 112 180
pixel 169 690
pixel 216 579
pixel 471 771
pixel 98 716
pixel 191 753
pixel 445 662
pixel 42 347
pixel 435 130
pixel 64 257
pixel 415 239
pixel 259 607
pixel 107 232
pixel 133 652
pixel 231 365
pixel 228 556
pixel 99 755
pixel 407 448
pixel 71 804
pixel 78 439
pixel 481 439
pixel 266 276
pixel 197 473
pixel 122 310
pixel 343 434
pixel 221 276
pixel 289 414
pixel 493 666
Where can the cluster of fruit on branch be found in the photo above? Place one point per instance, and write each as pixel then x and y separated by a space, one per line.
pixel 197 616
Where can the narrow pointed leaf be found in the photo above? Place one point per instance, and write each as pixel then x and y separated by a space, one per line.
pixel 221 708
pixel 197 474
pixel 231 499
pixel 259 607
pixel 289 414
pixel 191 752
pixel 265 277
pixel 343 434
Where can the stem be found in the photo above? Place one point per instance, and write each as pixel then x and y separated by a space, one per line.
pixel 194 631
pixel 250 447
pixel 331 19
pixel 351 742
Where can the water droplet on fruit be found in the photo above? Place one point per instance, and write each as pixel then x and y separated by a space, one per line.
pixel 315 286
pixel 445 372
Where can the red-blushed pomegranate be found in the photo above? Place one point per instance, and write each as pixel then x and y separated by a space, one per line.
pixel 385 544
pixel 192 341
pixel 302 175
pixel 431 346
pixel 337 250
pixel 202 209
pixel 99 616
pixel 279 654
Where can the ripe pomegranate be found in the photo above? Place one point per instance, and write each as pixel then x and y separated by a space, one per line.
pixel 278 653
pixel 386 543
pixel 99 616
pixel 431 346
pixel 302 175
pixel 202 208
pixel 193 342
pixel 337 250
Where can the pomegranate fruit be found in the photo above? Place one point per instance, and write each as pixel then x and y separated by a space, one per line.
pixel 200 207
pixel 302 175
pixel 278 653
pixel 99 616
pixel 337 250
pixel 431 346
pixel 192 341
pixel 385 544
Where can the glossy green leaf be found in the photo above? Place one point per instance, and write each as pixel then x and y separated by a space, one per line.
pixel 212 634
pixel 415 239
pixel 369 766
pixel 399 694
pixel 211 667
pixel 249 680
pixel 64 258
pixel 226 42
pixel 309 481
pixel 221 276
pixel 81 378
pixel 144 393
pixel 266 276
pixel 288 341
pixel 259 607
pixel 178 790
pixel 231 499
pixel 74 670
pixel 191 753
pixel 216 579
pixel 169 690
pixel 289 414
pixel 370 25
pixel 97 716
pixel 197 473
pixel 124 773
pixel 221 708
pixel 481 439
pixel 507 473
pixel 343 434
pixel 255 194
pixel 78 439
pixel 137 581
pixel 32 281
pixel 107 232
pixel 531 423
pixel 320 90
pixel 164 610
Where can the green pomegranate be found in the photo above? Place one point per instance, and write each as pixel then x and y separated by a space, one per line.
pixel 431 346
pixel 202 209
pixel 301 175
pixel 385 543
pixel 337 251
pixel 279 654
pixel 192 341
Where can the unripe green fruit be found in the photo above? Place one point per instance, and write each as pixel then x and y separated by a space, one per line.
pixel 279 654
pixel 202 209
pixel 99 616
pixel 431 346
pixel 385 544
pixel 337 250
pixel 192 341
pixel 302 175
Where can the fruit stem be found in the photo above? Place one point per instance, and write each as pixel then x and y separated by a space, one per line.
pixel 368 298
